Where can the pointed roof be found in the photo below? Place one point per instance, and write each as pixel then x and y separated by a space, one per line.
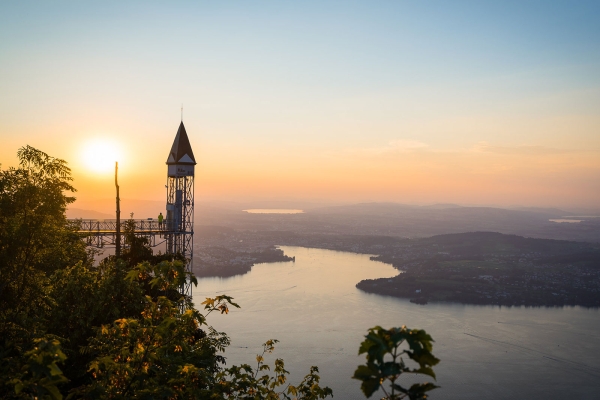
pixel 181 151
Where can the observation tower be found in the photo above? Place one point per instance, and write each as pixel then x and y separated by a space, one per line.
pixel 179 229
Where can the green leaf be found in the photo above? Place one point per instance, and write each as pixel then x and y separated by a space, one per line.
pixel 54 392
pixel 370 386
pixel 363 372
pixel 19 387
pixel 383 344
pixel 390 369
pixel 418 390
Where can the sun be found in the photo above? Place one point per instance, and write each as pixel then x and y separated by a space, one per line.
pixel 100 155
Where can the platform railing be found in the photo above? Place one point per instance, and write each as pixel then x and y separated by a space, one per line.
pixel 110 225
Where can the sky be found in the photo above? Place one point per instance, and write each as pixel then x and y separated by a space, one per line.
pixel 415 102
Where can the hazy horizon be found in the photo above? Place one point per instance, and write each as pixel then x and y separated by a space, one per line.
pixel 106 205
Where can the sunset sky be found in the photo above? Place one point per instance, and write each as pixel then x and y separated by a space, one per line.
pixel 479 103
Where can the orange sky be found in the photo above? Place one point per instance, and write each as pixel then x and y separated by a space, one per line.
pixel 403 103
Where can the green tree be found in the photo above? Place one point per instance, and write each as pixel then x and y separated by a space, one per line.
pixel 162 354
pixel 85 298
pixel 40 375
pixel 35 240
pixel 385 362
pixel 137 248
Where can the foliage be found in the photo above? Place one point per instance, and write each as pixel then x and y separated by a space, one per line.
pixel 163 354
pixel 86 298
pixel 162 279
pixel 243 382
pixel 137 248
pixel 33 231
pixel 35 240
pixel 385 362
pixel 41 374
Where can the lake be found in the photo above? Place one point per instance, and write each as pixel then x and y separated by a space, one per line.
pixel 487 352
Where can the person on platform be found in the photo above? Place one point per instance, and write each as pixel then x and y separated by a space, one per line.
pixel 160 221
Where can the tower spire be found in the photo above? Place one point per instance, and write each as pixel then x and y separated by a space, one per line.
pixel 181 151
pixel 180 201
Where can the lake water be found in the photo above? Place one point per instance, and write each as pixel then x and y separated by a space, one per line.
pixel 313 308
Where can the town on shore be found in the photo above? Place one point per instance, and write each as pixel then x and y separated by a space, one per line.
pixel 484 268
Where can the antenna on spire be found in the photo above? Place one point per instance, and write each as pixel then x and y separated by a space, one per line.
pixel 181 112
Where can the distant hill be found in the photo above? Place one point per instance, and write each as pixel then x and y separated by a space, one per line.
pixel 555 212
pixel 404 220
pixel 244 205
pixel 493 242
pixel 366 208
pixel 441 206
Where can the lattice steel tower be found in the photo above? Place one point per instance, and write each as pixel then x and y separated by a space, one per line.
pixel 179 229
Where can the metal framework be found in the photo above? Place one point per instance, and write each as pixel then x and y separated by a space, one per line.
pixel 103 233
pixel 180 220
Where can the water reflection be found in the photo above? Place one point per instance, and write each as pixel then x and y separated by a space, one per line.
pixel 314 309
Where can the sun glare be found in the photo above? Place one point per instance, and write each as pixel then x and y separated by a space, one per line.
pixel 100 155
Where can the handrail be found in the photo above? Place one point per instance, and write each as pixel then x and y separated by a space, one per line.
pixel 110 225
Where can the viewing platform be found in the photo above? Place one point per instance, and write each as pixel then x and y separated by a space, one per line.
pixel 101 233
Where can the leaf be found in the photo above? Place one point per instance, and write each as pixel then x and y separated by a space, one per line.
pixel 390 369
pixel 54 392
pixel 417 391
pixel 426 371
pixel 54 370
pixel 370 386
pixel 208 302
pixel 363 372
pixel 365 346
pixel 19 387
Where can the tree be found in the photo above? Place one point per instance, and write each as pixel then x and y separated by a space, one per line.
pixel 35 240
pixel 137 248
pixel 385 362
pixel 85 298
pixel 160 353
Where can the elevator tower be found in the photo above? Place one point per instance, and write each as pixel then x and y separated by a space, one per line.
pixel 179 227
